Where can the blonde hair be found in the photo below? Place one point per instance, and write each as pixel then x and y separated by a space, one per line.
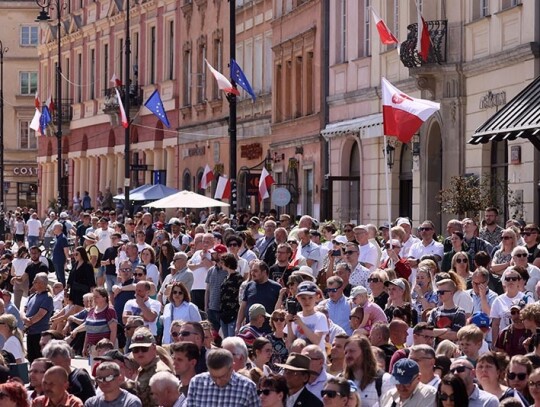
pixel 447 348
pixel 11 322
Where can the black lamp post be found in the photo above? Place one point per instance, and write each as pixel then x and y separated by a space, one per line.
pixel 44 17
pixel 2 52
pixel 127 88
pixel 389 155
pixel 232 111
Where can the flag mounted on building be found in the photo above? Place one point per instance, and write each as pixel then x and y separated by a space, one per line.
pixel 37 102
pixel 35 123
pixel 402 114
pixel 50 104
pixel 238 76
pixel 265 182
pixel 123 117
pixel 223 188
pixel 385 34
pixel 207 177
pixel 44 120
pixel 223 83
pixel 423 41
pixel 155 105
pixel 116 80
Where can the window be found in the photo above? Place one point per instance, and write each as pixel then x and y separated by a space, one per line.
pixel 26 195
pixel 27 136
pixel 509 3
pixel 480 9
pixel 364 39
pixel 392 18
pixel 78 89
pixel 170 65
pixel 186 74
pixel 201 71
pixel 153 55
pixel 342 31
pixel 29 36
pixel 28 83
pixel 218 64
pixel 308 191
pixel 120 58
pixel 106 77
pixel 92 74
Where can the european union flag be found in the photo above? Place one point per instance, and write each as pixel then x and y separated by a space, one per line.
pixel 44 120
pixel 238 76
pixel 155 105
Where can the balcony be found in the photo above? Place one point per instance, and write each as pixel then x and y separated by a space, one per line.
pixel 437 52
pixel 111 102
pixel 67 112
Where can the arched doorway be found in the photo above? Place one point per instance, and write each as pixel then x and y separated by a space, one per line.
pixel 186 181
pixel 405 182
pixel 434 174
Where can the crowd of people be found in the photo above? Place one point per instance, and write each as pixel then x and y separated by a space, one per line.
pixel 210 309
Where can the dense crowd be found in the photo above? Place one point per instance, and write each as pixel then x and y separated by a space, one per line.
pixel 206 309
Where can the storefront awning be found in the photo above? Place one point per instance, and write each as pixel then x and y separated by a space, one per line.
pixel 368 127
pixel 519 118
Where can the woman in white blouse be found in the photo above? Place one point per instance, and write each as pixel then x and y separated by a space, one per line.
pixel 179 307
pixel 13 337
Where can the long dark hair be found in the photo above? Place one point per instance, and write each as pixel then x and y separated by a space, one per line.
pixel 369 363
pixel 84 255
pixel 461 397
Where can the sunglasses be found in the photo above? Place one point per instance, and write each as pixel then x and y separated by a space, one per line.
pixel 177 293
pixel 278 319
pixel 138 274
pixel 126 269
pixel 266 392
pixel 459 369
pixel 534 384
pixel 331 394
pixel 507 237
pixel 512 279
pixel 446 397
pixel 186 333
pixel 106 379
pixel 424 229
pixel 292 242
pixel 349 252
pixel 175 334
pixel 514 312
pixel 529 233
pixel 139 350
pixel 461 261
pixel 373 280
pixel 519 376
pixel 331 290
pixel 232 245
pixel 521 255
pixel 442 292
pixel 347 230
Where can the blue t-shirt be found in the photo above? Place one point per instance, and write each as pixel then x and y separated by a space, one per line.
pixel 121 299
pixel 58 252
pixel 265 294
pixel 35 303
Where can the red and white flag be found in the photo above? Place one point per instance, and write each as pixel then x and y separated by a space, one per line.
pixel 265 182
pixel 34 124
pixel 37 103
pixel 123 116
pixel 49 103
pixel 223 83
pixel 223 188
pixel 116 80
pixel 384 33
pixel 402 114
pixel 423 42
pixel 207 177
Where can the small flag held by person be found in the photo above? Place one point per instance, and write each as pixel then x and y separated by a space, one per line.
pixel 116 80
pixel 155 105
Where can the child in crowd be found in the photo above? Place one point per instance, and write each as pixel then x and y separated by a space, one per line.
pixel 470 339
pixel 372 312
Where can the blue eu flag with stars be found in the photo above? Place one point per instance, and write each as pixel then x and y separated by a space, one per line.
pixel 155 105
pixel 238 76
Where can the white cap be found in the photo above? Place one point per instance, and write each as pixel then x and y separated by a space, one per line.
pixel 358 290
pixel 402 221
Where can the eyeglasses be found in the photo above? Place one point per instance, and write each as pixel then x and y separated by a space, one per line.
pixel 138 274
pixel 109 378
pixel 534 384
pixel 347 230
pixel 187 333
pixel 177 293
pixel 529 233
pixel 126 269
pixel 459 369
pixel 175 334
pixel 332 290
pixel 292 242
pixel 442 292
pixel 266 392
pixel 461 261
pixel 519 376
pixel 514 312
pixel 141 349
pixel 512 279
pixel 521 255
pixel 232 244
pixel 424 229
pixel 331 394
pixel 278 319
pixel 373 280
pixel 507 237
pixel 349 252
pixel 446 397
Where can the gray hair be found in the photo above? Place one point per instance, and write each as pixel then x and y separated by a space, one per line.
pixel 164 379
pixel 108 366
pixel 519 250
pixel 43 277
pixel 238 345
pixel 425 349
pixel 219 358
pixel 57 348
pixel 481 271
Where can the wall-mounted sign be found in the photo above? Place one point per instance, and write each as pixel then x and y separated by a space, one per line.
pixel 491 99
pixel 515 154
pixel 195 151
pixel 25 171
pixel 281 196
pixel 251 151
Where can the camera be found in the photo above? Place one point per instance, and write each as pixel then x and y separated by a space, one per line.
pixel 291 307
pixel 336 253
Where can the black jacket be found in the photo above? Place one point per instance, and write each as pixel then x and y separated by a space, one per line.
pixel 307 399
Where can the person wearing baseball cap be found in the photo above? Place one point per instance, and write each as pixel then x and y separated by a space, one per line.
pixel 257 318
pixel 408 389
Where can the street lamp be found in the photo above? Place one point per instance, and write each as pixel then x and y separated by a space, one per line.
pixel 3 50
pixel 389 152
pixel 44 17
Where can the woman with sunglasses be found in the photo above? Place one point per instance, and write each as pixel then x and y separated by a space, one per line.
pixel 81 279
pixel 489 369
pixel 458 245
pixel 336 392
pixel 517 375
pixel 273 391
pixel 460 264
pixel 101 321
pixel 179 307
pixel 277 339
pixel 424 298
pixel 502 259
pixel 520 258
pixel 452 392
pixel 379 293
pixel 534 387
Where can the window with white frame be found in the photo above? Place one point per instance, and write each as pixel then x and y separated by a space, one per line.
pixel 364 34
pixel 27 136
pixel 28 82
pixel 480 9
pixel 509 3
pixel 29 36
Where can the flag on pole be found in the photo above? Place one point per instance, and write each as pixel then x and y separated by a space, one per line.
pixel 155 105
pixel 223 83
pixel 385 34
pixel 223 188
pixel 402 114
pixel 238 76
pixel 423 42
pixel 44 120
pixel 265 182
pixel 34 124
pixel 116 80
pixel 37 102
pixel 50 104
pixel 207 177
pixel 123 116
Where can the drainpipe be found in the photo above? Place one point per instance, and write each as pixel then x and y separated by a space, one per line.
pixel 326 212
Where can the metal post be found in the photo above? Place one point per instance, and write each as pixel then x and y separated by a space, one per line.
pixel 2 50
pixel 232 111
pixel 127 86
pixel 59 105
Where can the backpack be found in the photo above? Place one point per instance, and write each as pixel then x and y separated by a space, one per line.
pixel 99 256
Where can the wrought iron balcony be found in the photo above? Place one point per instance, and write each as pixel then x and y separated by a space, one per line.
pixel 135 97
pixel 437 52
pixel 67 111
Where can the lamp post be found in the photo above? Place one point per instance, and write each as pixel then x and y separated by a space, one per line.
pixel 232 111
pixel 2 52
pixel 127 158
pixel 44 17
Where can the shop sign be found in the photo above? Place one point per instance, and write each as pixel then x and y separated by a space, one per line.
pixel 252 184
pixel 251 151
pixel 195 151
pixel 25 171
pixel 491 99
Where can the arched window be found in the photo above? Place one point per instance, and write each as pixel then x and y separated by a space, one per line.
pixel 186 181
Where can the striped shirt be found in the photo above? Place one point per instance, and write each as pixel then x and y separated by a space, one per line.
pixel 97 324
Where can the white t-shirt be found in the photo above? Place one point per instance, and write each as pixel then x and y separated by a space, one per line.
pixel 19 265
pixel 152 272
pixel 33 226
pixel 13 346
pixel 501 308
pixel 132 307
pixel 464 300
pixel 369 254
pixel 316 322
pixel 199 274
pixel 104 239
pixel 418 250
pixel 243 267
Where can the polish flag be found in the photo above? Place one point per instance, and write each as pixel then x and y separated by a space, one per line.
pixel 116 80
pixel 385 34
pixel 223 189
pixel 423 42
pixel 402 114
pixel 37 103
pixel 265 182
pixel 34 124
pixel 50 104
pixel 207 177
pixel 223 83
pixel 123 116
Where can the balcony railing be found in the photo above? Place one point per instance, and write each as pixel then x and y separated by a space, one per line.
pixel 437 52
pixel 135 97
pixel 67 111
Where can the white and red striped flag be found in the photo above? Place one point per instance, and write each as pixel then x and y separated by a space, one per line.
pixel 123 116
pixel 223 83
pixel 207 177
pixel 49 103
pixel 223 188
pixel 265 182
pixel 423 42
pixel 385 34
pixel 116 80
pixel 34 124
pixel 37 102
pixel 402 114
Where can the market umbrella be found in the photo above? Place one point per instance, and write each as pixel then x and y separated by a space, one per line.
pixel 120 197
pixel 152 193
pixel 186 199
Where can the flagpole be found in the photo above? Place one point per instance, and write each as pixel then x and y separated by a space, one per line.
pixel 127 130
pixel 385 149
pixel 232 109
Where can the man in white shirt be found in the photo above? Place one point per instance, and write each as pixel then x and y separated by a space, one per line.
pixel 369 255
pixel 33 230
pixel 409 239
pixel 427 246
pixel 309 250
pixel 143 306
pixel 103 234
